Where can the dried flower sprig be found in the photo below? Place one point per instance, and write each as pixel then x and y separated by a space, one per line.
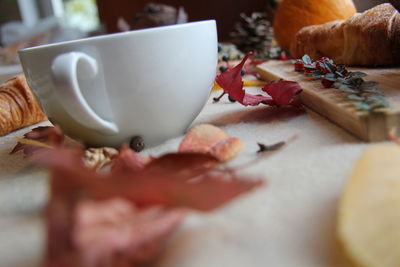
pixel 267 148
pixel 364 93
pixel 262 148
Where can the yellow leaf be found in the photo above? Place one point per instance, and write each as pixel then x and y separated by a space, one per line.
pixel 246 82
pixel 33 143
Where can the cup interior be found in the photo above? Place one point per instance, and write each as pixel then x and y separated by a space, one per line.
pixel 138 32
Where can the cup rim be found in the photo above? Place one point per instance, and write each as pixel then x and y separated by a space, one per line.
pixel 121 34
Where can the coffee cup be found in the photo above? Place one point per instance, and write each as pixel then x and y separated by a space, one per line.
pixel 107 89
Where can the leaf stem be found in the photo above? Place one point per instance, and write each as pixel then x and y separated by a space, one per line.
pixel 217 99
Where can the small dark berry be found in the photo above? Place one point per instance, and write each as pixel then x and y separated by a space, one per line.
pixel 299 66
pixel 223 69
pixel 320 67
pixel 308 70
pixel 231 99
pixel 137 143
pixel 243 72
pixel 327 83
pixel 225 58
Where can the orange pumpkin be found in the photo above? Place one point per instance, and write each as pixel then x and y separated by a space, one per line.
pixel 292 15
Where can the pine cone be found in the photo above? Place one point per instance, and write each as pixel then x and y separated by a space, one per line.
pixel 154 15
pixel 253 33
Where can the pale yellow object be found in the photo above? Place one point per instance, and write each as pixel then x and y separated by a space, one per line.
pixel 369 209
pixel 32 142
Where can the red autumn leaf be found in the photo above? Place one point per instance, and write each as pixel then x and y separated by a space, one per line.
pixel 231 82
pixel 173 180
pixel 204 193
pixel 283 93
pixel 83 231
pixel 128 160
pixel 107 233
pixel 179 166
pixel 122 218
pixel 255 100
pixel 47 135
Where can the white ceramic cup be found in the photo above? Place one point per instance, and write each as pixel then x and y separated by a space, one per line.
pixel 104 90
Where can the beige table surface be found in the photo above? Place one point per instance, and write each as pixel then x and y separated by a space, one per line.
pixel 288 222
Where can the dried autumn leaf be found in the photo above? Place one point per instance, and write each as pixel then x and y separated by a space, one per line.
pixel 40 138
pixel 173 180
pixel 226 149
pixel 283 93
pixel 209 139
pixel 201 137
pixel 86 232
pixel 231 82
pixel 135 235
pixel 122 218
pixel 30 142
pixel 179 166
pixel 113 231
pixel 129 160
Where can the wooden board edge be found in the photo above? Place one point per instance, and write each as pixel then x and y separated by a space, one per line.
pixel 368 126
pixel 357 126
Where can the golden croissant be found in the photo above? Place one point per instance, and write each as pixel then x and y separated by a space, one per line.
pixel 371 38
pixel 18 106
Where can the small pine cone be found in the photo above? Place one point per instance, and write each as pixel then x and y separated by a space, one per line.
pixel 253 33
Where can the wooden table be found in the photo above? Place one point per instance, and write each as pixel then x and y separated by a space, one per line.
pixel 289 222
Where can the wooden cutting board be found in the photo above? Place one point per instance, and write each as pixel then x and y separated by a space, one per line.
pixel 368 126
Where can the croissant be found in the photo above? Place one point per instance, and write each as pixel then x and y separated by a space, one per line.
pixel 18 106
pixel 371 38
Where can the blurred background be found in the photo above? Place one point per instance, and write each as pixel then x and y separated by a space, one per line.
pixel 25 23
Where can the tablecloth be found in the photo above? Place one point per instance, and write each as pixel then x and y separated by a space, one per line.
pixel 290 221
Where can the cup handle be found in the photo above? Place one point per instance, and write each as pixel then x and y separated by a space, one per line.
pixel 68 93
